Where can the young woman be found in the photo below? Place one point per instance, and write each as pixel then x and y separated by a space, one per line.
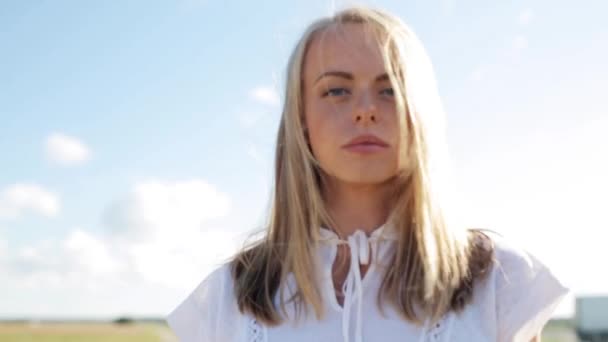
pixel 360 245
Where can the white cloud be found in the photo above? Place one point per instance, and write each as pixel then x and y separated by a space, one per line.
pixel 164 239
pixel 92 253
pixel 97 257
pixel 174 263
pixel 526 16
pixel 519 43
pixel 270 100
pixel 514 50
pixel 166 208
pixel 182 264
pixel 81 259
pixel 19 198
pixel 34 259
pixel 66 150
pixel 266 95
pixel 479 73
pixel 165 230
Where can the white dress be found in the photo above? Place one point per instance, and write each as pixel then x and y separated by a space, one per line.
pixel 511 304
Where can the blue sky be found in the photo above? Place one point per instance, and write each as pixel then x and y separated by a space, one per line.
pixel 136 138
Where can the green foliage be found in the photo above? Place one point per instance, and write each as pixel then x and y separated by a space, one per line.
pixel 124 320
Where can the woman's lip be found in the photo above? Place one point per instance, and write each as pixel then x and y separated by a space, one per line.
pixel 367 139
pixel 365 148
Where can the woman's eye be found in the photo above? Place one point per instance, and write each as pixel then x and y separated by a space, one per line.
pixel 387 91
pixel 336 92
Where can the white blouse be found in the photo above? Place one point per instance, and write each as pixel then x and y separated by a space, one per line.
pixel 512 304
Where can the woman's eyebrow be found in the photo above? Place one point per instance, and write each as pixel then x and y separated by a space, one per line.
pixel 382 77
pixel 342 74
pixel 348 76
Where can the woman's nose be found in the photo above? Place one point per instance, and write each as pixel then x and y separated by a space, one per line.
pixel 366 110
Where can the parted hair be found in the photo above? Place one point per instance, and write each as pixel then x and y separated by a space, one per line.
pixel 436 262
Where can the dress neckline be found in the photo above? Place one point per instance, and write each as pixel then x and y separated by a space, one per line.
pixel 363 249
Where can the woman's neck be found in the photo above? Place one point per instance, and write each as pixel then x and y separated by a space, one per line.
pixel 358 206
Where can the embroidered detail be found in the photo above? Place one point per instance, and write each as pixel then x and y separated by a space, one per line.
pixel 440 331
pixel 255 331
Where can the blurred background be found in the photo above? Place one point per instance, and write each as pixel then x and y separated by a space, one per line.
pixel 137 139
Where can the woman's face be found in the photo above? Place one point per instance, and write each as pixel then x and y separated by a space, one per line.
pixel 347 94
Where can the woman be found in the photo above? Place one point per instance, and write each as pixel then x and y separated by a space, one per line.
pixel 360 245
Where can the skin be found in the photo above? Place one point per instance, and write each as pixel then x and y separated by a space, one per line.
pixel 346 94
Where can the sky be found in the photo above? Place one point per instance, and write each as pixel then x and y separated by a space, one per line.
pixel 137 137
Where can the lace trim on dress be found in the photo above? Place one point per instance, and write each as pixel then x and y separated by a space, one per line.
pixel 440 331
pixel 256 332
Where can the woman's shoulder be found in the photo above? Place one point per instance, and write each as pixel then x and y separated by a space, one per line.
pixel 213 284
pixel 516 267
pixel 204 313
pixel 521 289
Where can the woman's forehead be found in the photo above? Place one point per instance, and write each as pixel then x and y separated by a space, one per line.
pixel 344 47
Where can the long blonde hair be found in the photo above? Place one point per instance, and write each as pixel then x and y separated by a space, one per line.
pixel 435 263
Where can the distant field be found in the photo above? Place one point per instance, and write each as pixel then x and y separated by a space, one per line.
pixel 156 332
pixel 79 332
pixel 559 331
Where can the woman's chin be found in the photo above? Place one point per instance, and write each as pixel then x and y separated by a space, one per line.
pixel 367 179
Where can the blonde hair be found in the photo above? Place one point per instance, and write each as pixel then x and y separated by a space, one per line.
pixel 435 263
